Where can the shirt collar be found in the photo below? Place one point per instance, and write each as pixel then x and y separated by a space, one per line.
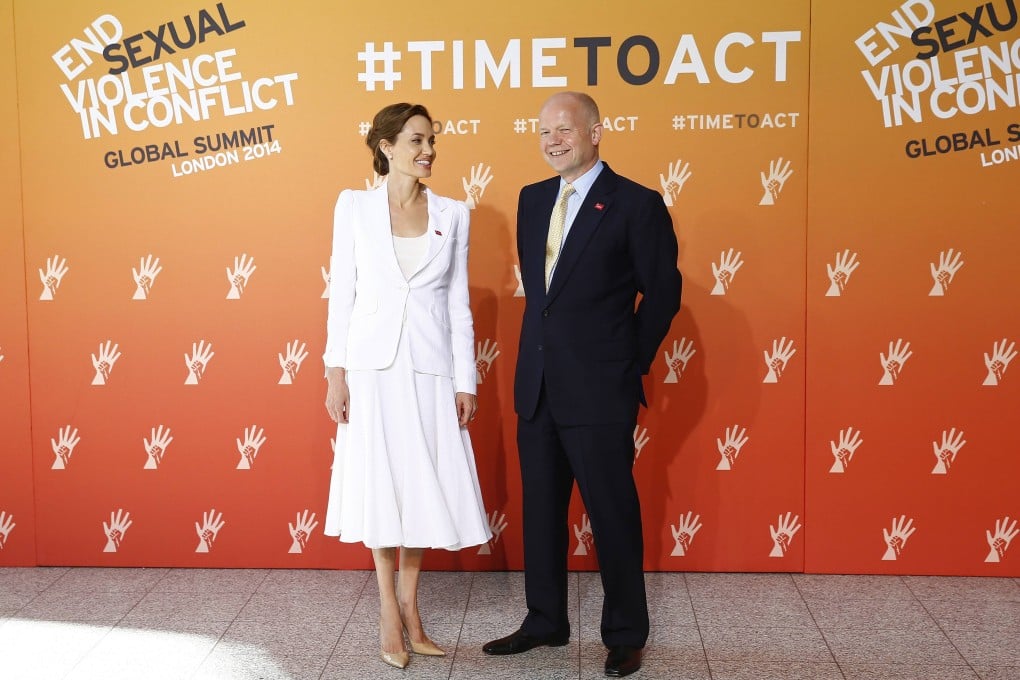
pixel 583 183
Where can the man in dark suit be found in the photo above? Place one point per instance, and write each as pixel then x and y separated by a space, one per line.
pixel 589 241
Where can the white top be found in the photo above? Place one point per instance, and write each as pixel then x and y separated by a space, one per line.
pixel 410 250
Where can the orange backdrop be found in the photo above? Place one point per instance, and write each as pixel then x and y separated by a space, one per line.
pixel 181 276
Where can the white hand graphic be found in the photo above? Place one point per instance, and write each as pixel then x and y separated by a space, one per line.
pixel 997 543
pixel 949 264
pixel 487 353
pixel 844 451
pixel 497 523
pixel 244 267
pixel 480 178
pixel 325 280
pixel 725 271
pixel 945 455
pixel 683 534
pixel 520 284
pixel 207 531
pixel 999 361
pixel 63 447
pixel 730 449
pixel 249 448
pixel 108 355
pixel 56 267
pixel 585 539
pixel 301 531
pixel 781 353
pixel 640 439
pixel 902 529
pixel 677 361
pixel 6 526
pixel 145 276
pixel 846 263
pixel 375 182
pixel 291 364
pixel 155 448
pixel 116 529
pixel 773 184
pixel 673 183
pixel 196 362
pixel 893 364
pixel 782 536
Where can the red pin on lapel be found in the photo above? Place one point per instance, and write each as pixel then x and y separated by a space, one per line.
pixel 438 233
pixel 599 206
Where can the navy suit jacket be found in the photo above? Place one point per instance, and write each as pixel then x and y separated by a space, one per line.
pixel 584 338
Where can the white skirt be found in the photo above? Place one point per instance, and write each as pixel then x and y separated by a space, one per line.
pixel 403 469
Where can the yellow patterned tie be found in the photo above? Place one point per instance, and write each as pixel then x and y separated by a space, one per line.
pixel 556 224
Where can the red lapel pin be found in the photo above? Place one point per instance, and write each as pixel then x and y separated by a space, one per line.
pixel 599 206
pixel 438 233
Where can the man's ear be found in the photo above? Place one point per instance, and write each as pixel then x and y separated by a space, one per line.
pixel 596 133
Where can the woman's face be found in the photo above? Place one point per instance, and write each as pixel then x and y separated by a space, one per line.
pixel 414 150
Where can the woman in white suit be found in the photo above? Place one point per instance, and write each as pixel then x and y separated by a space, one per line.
pixel 401 370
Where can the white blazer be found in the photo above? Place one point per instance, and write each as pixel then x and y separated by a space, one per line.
pixel 370 301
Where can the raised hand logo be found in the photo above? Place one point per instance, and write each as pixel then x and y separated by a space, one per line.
pixel 998 543
pixel 291 364
pixel 839 274
pixel 497 523
pixel 585 539
pixel 683 533
pixel 376 181
pixel 783 534
pixel 677 361
pixel 487 353
pixel 843 452
pixel 945 453
pixel 949 264
pixel 208 530
pixel 115 530
pixel 475 188
pixel 519 292
pixel 893 363
pixel 640 439
pixel 145 276
pixel 155 447
pixel 773 183
pixel 244 267
pixel 673 181
pixel 724 272
pixel 249 448
pixel 776 362
pixel 63 447
pixel 56 268
pixel 729 448
pixel 902 529
pixel 201 353
pixel 325 281
pixel 108 355
pixel 999 361
pixel 6 527
pixel 301 530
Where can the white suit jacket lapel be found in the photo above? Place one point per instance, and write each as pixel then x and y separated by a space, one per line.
pixel 382 233
pixel 438 230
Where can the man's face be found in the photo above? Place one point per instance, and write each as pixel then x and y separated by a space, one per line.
pixel 569 142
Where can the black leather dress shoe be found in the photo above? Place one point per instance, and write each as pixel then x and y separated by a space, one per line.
pixel 519 641
pixel 622 660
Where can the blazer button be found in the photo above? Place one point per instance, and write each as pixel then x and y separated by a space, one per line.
pixel 540 348
pixel 545 312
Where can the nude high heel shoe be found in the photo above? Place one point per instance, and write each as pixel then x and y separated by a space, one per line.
pixel 426 648
pixel 395 659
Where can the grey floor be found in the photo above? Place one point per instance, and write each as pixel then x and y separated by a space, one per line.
pixel 150 624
